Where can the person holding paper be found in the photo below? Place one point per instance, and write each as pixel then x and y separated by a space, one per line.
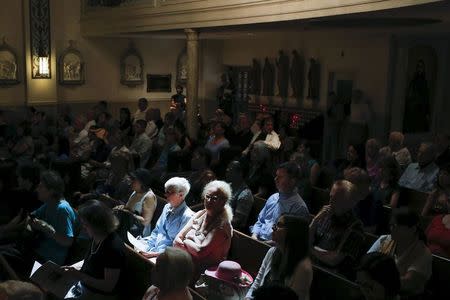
pixel 100 274
pixel 55 220
pixel 173 217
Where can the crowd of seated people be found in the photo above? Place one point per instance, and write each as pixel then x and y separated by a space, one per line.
pixel 213 185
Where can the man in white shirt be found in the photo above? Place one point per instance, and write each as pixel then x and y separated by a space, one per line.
pixel 142 144
pixel 142 110
pixel 267 134
pixel 422 175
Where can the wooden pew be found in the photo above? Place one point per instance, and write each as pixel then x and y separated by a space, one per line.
pixel 258 204
pixel 161 202
pixel 416 200
pixel 9 271
pixel 137 275
pixel 196 295
pixel 329 285
pixel 319 198
pixel 440 278
pixel 249 253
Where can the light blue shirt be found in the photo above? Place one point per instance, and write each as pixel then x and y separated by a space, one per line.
pixel 277 205
pixel 62 217
pixel 171 221
pixel 419 179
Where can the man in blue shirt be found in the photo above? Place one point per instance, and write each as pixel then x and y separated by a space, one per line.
pixel 421 176
pixel 55 219
pixel 286 201
pixel 173 217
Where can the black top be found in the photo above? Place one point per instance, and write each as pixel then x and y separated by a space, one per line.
pixel 109 255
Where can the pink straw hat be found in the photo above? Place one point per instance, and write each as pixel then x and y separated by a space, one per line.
pixel 231 272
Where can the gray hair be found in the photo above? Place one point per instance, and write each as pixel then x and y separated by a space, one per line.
pixel 179 184
pixel 225 189
pixel 263 151
pixel 174 269
pixel 220 185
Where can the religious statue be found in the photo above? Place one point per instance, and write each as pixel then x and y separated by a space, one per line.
pixel 417 102
pixel 297 74
pixel 313 79
pixel 283 74
pixel 256 77
pixel 268 78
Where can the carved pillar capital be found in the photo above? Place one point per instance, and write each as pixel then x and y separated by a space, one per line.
pixel 191 34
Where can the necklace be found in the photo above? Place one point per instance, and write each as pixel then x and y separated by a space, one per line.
pixel 98 247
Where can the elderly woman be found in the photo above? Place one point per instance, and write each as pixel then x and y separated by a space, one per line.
pixel 397 150
pixel 136 215
pixel 104 261
pixel 168 284
pixel 207 235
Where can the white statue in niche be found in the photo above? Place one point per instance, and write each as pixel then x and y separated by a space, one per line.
pixel 72 67
pixel 8 67
pixel 132 68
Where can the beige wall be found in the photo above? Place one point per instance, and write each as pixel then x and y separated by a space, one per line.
pixel 12 29
pixel 366 59
pixel 102 58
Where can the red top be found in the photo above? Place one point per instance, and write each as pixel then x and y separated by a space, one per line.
pixel 438 237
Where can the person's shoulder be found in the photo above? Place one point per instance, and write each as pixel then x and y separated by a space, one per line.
pixel 64 205
pixel 273 198
pixel 188 213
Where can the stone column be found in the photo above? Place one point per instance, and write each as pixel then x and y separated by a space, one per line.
pixel 192 82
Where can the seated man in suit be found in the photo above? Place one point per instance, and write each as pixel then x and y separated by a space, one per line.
pixel 286 201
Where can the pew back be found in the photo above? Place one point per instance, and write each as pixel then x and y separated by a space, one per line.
pixel 249 253
pixel 136 276
pixel 319 198
pixel 328 285
pixel 258 205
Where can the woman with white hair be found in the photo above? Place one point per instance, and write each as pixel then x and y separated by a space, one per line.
pixel 207 235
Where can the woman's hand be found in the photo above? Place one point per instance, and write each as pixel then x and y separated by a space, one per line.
pixel 119 207
pixel 178 243
pixel 149 254
pixel 42 226
pixel 71 272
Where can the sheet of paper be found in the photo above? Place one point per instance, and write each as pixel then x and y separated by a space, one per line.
pixel 36 266
pixel 78 265
pixel 50 277
pixel 139 245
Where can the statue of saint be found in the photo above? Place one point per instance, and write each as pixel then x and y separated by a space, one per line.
pixel 297 74
pixel 417 102
pixel 256 77
pixel 313 79
pixel 268 78
pixel 283 74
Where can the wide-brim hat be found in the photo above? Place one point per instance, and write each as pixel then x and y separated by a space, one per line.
pixel 232 273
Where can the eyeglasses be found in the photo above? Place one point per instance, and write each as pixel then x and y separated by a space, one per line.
pixel 169 192
pixel 278 225
pixel 213 198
